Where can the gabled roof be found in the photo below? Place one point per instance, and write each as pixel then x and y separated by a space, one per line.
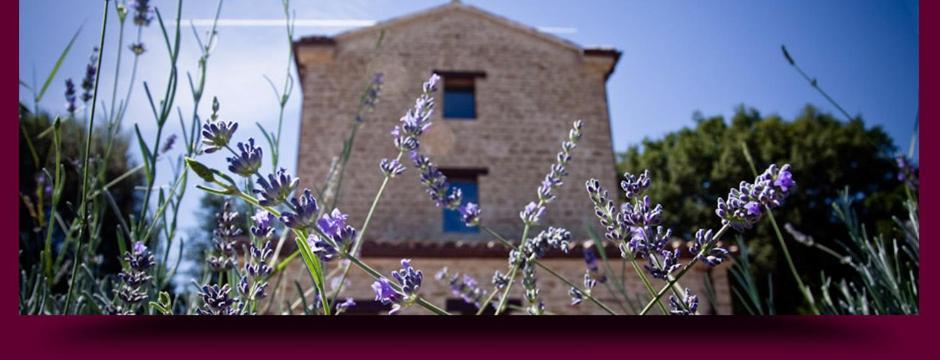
pixel 453 6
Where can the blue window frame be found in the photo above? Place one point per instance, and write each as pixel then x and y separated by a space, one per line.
pixel 451 218
pixel 460 101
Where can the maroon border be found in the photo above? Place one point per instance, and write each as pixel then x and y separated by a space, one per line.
pixel 729 337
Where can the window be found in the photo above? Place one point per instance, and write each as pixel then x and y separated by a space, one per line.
pixel 466 181
pixel 460 101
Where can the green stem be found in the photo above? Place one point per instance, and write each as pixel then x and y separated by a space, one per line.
pixel 83 210
pixel 357 245
pixel 550 271
pixel 647 284
pixel 786 254
pixel 673 280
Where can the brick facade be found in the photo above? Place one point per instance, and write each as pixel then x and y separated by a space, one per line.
pixel 531 87
pixel 534 88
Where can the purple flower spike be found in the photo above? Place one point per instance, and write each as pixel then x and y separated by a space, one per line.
pixel 753 208
pixel 416 119
pixel 139 248
pixel 470 214
pixel 276 188
pixel 337 232
pixel 409 278
pixel 532 213
pixel 743 207
pixel 784 179
pixel 248 160
pixel 391 168
pixel 142 13
pixel 333 223
pixel 384 292
pixel 304 210
pixel 216 134
pixel 70 98
pixel 263 226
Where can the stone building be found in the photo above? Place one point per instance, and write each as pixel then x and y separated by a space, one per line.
pixel 508 97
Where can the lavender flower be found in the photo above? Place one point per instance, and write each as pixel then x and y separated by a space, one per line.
pixel 277 188
pixel 70 98
pixel 634 185
pixel 258 260
pixel 464 286
pixel 391 168
pixel 334 225
pixel 576 296
pixel 335 233
pixel 606 211
pixel 304 210
pixel 743 208
pixel 558 170
pixel 470 214
pixel 416 119
pixel 641 213
pixel 535 305
pixel 532 213
pixel 137 48
pixel 225 234
pixel 168 145
pixel 409 278
pixel 907 172
pixel 216 301
pixel 711 256
pixel 371 96
pixel 468 290
pixel 438 188
pixel 589 281
pixel 88 82
pixel 247 161
pixel 635 225
pixel 690 302
pixel 551 238
pixel 43 182
pixel 216 134
pixel 142 13
pixel 590 262
pixel 253 284
pixel 385 293
pixel 344 306
pixel 500 280
pixel 668 263
pixel 134 277
pixel 263 224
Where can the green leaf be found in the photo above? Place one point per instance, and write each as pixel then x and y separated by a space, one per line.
pixel 58 63
pixel 164 304
pixel 203 171
pixel 144 152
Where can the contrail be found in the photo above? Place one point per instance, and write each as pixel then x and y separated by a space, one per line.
pixel 329 23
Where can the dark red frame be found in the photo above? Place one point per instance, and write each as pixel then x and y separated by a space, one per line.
pixel 570 337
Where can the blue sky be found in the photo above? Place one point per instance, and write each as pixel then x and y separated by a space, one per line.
pixel 678 57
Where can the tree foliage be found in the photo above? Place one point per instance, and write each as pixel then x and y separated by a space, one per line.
pixel 694 166
pixel 35 179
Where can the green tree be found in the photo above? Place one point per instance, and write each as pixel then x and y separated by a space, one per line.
pixel 35 167
pixel 694 166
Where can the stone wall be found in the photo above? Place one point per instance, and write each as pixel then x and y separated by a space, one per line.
pixel 533 89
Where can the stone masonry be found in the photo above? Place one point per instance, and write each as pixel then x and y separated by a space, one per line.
pixel 529 88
